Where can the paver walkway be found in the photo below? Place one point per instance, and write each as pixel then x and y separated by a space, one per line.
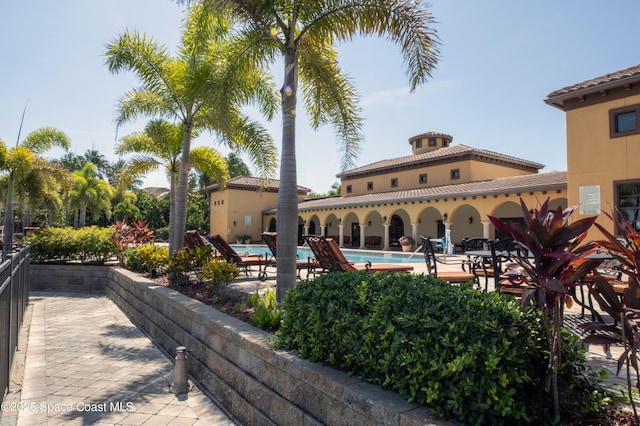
pixel 87 363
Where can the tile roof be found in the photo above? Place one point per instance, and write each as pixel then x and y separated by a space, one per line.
pixel 527 183
pixel 248 182
pixel 615 77
pixel 449 153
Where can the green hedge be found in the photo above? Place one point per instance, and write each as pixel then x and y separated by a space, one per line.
pixel 88 245
pixel 476 357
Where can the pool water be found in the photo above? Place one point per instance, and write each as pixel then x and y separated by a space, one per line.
pixel 357 256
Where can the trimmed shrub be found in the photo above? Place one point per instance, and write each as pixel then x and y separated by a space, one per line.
pixel 477 357
pixel 88 245
pixel 146 257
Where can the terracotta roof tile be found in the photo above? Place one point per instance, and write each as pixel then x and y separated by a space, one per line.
pixel 527 183
pixel 248 182
pixel 450 152
pixel 630 72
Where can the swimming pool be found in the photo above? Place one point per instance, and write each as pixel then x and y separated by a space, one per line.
pixel 357 256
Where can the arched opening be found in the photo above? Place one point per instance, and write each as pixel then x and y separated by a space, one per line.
pixel 272 225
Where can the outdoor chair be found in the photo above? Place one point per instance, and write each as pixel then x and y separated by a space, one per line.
pixel 332 259
pixel 480 266
pixel 309 265
pixel 453 277
pixel 508 277
pixel 242 261
pixel 193 239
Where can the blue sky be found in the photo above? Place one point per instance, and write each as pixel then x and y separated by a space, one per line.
pixel 499 60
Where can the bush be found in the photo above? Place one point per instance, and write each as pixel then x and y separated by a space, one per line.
pixel 266 315
pixel 88 245
pixel 476 357
pixel 146 257
pixel 216 274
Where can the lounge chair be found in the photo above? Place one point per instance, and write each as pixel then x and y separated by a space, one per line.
pixel 331 259
pixel 244 262
pixel 310 264
pixel 454 277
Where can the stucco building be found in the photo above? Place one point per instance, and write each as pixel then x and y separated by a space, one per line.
pixel 443 188
pixel 603 144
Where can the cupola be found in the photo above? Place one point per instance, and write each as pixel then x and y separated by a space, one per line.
pixel 430 141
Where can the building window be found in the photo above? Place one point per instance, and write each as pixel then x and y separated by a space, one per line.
pixel 419 144
pixel 445 143
pixel 423 178
pixel 369 186
pixel 348 189
pixel 628 202
pixel 624 121
pixel 394 182
pixel 432 142
pixel 455 174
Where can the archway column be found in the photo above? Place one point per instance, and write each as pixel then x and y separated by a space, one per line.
pixel 306 229
pixel 485 229
pixel 414 233
pixel 362 235
pixel 323 230
pixel 447 234
pixel 341 235
pixel 385 245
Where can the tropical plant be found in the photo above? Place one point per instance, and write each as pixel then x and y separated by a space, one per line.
pixel 160 145
pixel 556 262
pixel 19 161
pixel 625 249
pixel 89 192
pixel 305 35
pixel 199 89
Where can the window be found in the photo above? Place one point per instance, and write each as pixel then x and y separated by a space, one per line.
pixel 445 143
pixel 394 182
pixel 432 142
pixel 628 202
pixel 423 178
pixel 624 121
pixel 369 186
pixel 455 174
pixel 348 189
pixel 418 144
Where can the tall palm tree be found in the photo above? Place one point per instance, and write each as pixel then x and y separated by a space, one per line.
pixel 160 145
pixel 199 89
pixel 19 161
pixel 305 34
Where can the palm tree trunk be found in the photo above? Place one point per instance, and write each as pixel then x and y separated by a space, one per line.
pixel 178 221
pixel 287 211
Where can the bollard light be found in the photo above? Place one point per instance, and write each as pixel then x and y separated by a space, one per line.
pixel 180 383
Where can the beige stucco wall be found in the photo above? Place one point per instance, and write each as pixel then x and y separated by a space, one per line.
pixel 239 206
pixel 437 175
pixel 465 215
pixel 594 158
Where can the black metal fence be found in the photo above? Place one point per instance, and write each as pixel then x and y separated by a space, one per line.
pixel 14 295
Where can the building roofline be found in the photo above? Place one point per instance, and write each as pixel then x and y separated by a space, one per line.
pixel 550 181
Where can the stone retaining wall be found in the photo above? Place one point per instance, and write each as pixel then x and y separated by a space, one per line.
pixel 76 278
pixel 235 363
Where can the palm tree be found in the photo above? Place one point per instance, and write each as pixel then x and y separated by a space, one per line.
pixel 304 34
pixel 200 90
pixel 44 186
pixel 160 145
pixel 18 162
pixel 90 192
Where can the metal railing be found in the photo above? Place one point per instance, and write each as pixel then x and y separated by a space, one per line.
pixel 14 296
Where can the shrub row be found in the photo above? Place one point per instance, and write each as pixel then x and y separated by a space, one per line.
pixel 88 245
pixel 477 357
